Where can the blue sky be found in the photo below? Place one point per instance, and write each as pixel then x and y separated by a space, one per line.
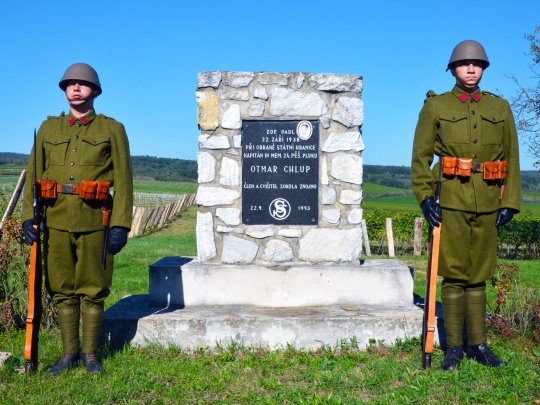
pixel 148 55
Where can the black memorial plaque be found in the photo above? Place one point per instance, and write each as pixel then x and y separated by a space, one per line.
pixel 280 172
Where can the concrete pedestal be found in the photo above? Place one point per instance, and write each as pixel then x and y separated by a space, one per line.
pixel 192 305
pixel 132 320
pixel 178 282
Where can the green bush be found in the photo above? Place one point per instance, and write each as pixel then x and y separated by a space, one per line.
pixel 522 232
pixel 402 228
pixel 517 239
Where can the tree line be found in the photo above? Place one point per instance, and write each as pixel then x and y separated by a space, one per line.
pixel 151 167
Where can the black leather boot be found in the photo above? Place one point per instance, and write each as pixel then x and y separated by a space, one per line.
pixel 91 363
pixel 483 354
pixel 66 362
pixel 453 358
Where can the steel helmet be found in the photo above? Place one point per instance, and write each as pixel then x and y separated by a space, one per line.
pixel 80 71
pixel 468 49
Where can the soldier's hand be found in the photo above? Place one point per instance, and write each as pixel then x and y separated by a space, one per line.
pixel 117 239
pixel 504 216
pixel 432 211
pixel 30 233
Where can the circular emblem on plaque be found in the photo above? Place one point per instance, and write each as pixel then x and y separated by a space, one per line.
pixel 304 130
pixel 280 209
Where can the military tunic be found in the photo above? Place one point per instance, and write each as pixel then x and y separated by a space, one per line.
pixel 69 150
pixel 481 127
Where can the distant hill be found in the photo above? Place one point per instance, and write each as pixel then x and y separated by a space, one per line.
pixel 165 169
pixel 147 167
pixel 15 159
pixel 390 176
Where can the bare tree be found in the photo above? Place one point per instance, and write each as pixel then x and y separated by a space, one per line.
pixel 526 103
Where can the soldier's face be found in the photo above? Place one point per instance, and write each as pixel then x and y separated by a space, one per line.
pixel 79 93
pixel 468 73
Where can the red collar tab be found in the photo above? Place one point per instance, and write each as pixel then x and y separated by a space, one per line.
pixel 464 97
pixel 83 120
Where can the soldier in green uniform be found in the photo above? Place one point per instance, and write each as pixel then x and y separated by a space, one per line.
pixel 478 126
pixel 69 149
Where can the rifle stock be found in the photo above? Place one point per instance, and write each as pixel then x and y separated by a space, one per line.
pixel 33 320
pixel 431 276
pixel 430 303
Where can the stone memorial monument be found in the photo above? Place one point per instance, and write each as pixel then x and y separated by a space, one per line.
pixel 279 235
pixel 280 170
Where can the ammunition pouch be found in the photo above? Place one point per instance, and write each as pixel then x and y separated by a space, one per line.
pixel 102 191
pixel 88 190
pixel 494 170
pixel 457 166
pixel 94 190
pixel 48 189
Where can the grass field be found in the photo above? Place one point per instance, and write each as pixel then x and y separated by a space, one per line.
pixel 164 187
pixel 384 374
pixel 380 197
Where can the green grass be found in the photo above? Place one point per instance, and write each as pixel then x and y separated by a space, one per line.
pixel 164 187
pixel 381 375
pixel 395 204
pixel 370 189
pixel 237 375
pixel 398 203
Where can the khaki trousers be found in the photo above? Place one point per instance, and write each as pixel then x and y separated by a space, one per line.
pixel 468 250
pixel 74 275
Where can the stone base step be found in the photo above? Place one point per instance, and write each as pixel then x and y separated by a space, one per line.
pixel 133 320
pixel 183 282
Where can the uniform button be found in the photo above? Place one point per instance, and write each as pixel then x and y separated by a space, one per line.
pixel 474 156
pixel 71 178
pixel 76 136
pixel 475 141
pixel 472 112
pixel 74 150
pixel 72 163
pixel 78 125
pixel 470 101
pixel 493 119
pixel 474 126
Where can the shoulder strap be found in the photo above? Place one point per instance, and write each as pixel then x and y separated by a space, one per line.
pixel 487 93
pixel 105 117
pixel 52 117
pixel 430 93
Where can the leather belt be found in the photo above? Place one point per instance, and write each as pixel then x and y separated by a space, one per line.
pixel 463 167
pixel 477 167
pixel 68 188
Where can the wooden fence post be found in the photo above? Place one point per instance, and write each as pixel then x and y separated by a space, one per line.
pixel 145 224
pixel 390 236
pixel 14 199
pixel 418 228
pixel 366 237
pixel 136 222
pixel 157 219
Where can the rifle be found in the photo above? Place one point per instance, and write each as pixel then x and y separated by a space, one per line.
pixel 34 290
pixel 431 277
pixel 106 223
